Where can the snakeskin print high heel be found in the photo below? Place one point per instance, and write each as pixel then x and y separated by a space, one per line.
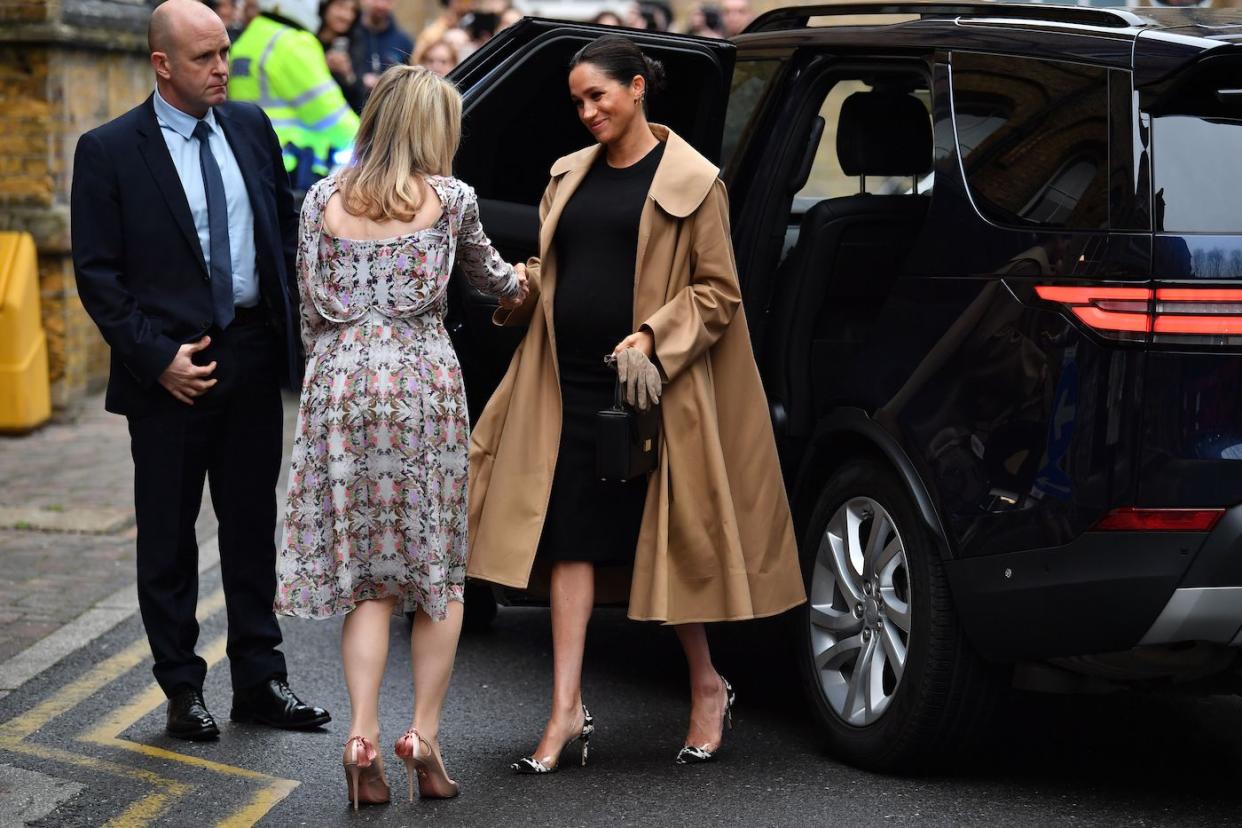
pixel 698 754
pixel 551 764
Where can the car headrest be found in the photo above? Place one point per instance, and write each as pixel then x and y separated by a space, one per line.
pixel 884 133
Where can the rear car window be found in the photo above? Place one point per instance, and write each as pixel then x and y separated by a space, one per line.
pixel 1033 139
pixel 1197 151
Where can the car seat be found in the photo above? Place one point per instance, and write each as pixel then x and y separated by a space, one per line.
pixel 850 251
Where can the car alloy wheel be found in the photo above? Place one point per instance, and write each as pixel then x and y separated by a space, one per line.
pixel 860 611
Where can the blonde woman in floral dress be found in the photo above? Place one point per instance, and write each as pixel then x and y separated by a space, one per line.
pixel 376 515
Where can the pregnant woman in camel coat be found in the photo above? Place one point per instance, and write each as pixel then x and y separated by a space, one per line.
pixel 714 538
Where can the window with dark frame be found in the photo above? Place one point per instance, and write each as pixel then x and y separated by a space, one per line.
pixel 1033 138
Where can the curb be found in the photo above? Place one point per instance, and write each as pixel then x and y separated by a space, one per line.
pixel 87 627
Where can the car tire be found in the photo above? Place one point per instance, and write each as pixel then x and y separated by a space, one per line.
pixel 944 694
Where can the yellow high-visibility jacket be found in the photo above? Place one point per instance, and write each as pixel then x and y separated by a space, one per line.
pixel 283 70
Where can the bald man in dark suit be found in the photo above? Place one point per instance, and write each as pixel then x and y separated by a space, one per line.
pixel 184 234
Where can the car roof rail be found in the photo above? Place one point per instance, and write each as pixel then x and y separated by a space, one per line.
pixel 797 17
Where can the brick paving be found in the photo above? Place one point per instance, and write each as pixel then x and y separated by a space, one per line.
pixel 48 578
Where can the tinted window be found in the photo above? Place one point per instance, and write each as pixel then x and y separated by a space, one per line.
pixel 1198 174
pixel 1033 138
pixel 751 81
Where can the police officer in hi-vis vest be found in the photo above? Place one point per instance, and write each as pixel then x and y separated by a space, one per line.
pixel 279 64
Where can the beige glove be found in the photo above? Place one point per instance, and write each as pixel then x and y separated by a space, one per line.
pixel 639 378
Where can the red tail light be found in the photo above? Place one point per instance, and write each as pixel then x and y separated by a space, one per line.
pixel 1192 312
pixel 1104 308
pixel 1189 315
pixel 1130 519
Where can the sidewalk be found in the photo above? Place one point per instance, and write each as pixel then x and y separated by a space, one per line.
pixel 67 532
pixel 77 477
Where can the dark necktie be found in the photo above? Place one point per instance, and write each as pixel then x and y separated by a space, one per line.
pixel 218 229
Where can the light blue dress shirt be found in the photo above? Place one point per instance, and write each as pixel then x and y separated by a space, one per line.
pixel 177 127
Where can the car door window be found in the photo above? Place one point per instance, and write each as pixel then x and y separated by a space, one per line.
pixel 752 81
pixel 1033 139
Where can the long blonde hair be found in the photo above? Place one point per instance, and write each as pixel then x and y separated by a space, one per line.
pixel 410 128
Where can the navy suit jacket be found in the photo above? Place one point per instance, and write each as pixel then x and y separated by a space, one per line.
pixel 140 269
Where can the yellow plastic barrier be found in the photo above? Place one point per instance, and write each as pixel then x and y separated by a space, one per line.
pixel 25 395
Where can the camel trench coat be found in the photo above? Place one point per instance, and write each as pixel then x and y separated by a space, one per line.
pixel 716 542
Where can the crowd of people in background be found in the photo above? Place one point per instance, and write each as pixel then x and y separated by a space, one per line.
pixel 277 64
pixel 361 39
pixel 723 20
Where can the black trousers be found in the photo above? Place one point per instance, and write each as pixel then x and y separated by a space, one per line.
pixel 230 437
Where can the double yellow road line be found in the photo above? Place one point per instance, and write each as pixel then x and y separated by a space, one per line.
pixel 161 792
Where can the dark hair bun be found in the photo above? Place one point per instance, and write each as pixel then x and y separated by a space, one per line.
pixel 655 77
pixel 619 58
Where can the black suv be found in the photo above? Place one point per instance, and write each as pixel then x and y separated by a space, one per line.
pixel 990 257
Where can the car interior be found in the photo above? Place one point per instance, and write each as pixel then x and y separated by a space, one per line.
pixel 858 209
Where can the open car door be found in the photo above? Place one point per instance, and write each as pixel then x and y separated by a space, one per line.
pixel 518 119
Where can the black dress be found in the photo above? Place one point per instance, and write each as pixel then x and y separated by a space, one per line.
pixel 593 309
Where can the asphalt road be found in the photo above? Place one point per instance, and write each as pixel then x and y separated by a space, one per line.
pixel 1129 759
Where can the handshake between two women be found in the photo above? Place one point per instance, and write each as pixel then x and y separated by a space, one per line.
pixel 514 302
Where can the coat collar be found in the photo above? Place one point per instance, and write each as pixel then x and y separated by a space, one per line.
pixel 682 181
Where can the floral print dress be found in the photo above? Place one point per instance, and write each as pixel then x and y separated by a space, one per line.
pixel 377 486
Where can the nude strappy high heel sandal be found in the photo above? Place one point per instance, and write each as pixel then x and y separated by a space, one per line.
pixel 422 763
pixel 366 779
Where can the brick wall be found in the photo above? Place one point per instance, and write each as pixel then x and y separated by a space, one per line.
pixel 25 120
pixel 66 66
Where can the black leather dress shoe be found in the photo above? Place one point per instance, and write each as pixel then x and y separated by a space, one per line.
pixel 188 717
pixel 272 703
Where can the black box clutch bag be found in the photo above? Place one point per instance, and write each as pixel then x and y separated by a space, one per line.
pixel 627 441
